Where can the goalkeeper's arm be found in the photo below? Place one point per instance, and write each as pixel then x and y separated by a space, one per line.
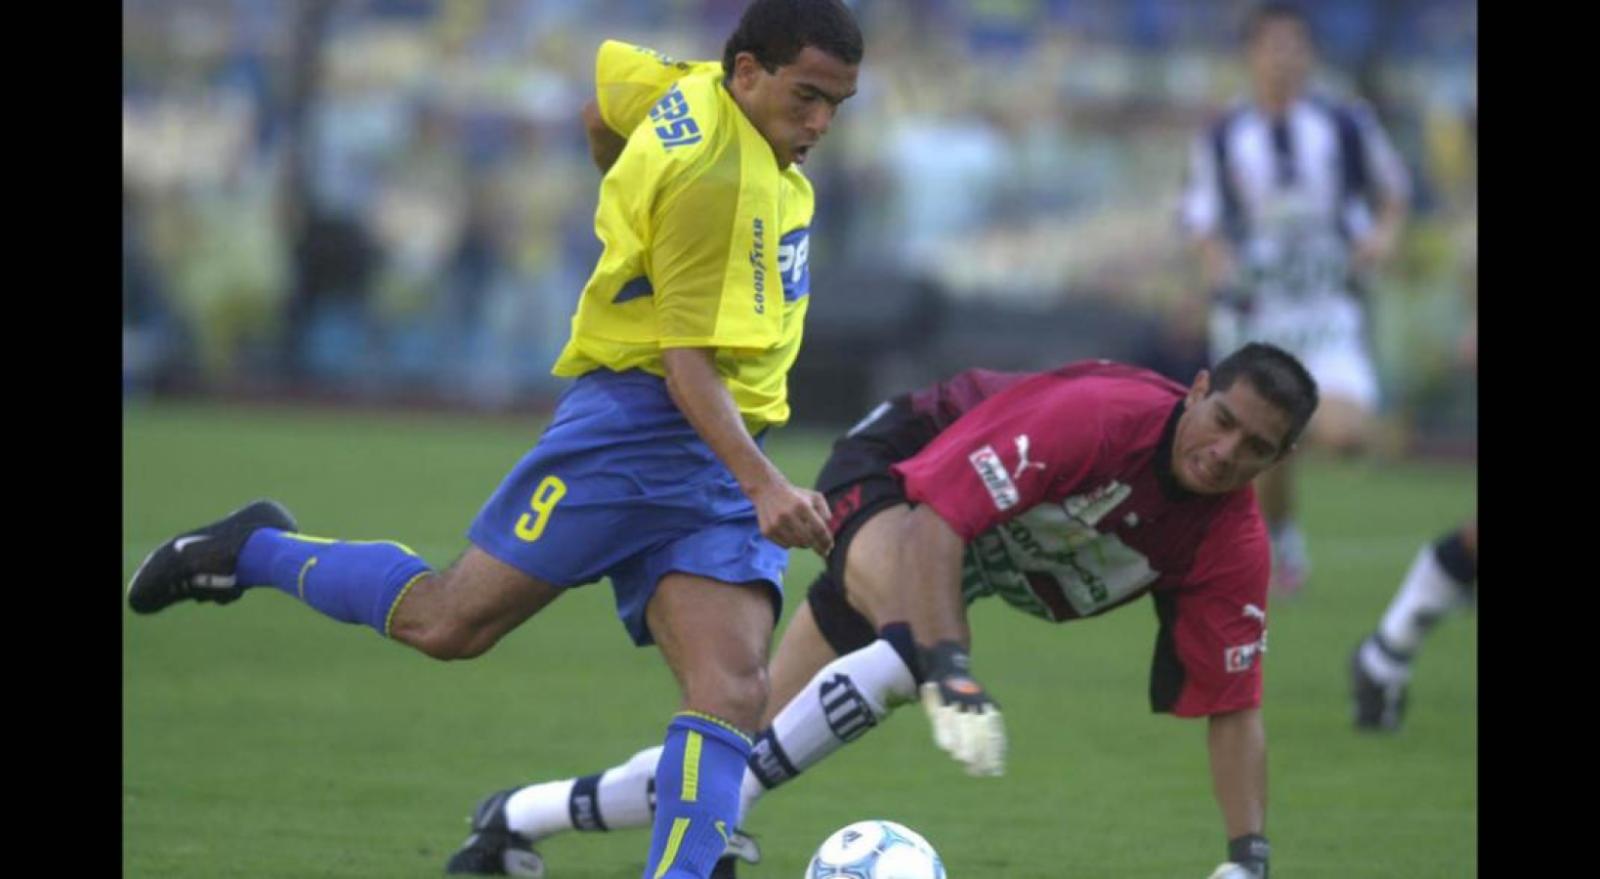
pixel 966 721
pixel 1237 742
pixel 930 557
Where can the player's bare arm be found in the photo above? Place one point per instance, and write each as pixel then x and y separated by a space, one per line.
pixel 930 557
pixel 605 145
pixel 1379 244
pixel 966 721
pixel 1237 742
pixel 1218 265
pixel 789 516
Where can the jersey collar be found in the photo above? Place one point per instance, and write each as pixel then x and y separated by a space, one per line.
pixel 1163 462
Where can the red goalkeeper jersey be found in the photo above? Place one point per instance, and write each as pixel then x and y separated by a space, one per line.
pixel 1061 484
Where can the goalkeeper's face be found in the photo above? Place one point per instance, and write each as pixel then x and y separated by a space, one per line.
pixel 792 105
pixel 1224 439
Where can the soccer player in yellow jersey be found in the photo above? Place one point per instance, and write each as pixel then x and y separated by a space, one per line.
pixel 651 472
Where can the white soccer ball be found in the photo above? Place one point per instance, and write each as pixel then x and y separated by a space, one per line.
pixel 875 850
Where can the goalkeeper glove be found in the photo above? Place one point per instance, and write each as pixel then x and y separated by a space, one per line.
pixel 966 722
pixel 1247 858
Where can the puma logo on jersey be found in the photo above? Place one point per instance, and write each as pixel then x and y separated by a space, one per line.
pixel 1022 457
pixel 1256 613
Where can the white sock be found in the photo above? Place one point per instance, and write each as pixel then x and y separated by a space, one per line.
pixel 840 703
pixel 621 799
pixel 1426 594
pixel 1383 668
pixel 626 796
pixel 540 809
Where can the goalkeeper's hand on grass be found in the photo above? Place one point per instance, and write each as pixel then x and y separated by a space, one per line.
pixel 966 722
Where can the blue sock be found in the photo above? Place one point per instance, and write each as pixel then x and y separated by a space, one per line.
pixel 697 796
pixel 354 581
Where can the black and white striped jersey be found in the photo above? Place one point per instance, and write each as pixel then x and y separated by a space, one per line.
pixel 1293 193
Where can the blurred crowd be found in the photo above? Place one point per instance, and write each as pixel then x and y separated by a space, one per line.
pixel 394 196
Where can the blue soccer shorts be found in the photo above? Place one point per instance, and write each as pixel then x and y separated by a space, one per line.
pixel 620 485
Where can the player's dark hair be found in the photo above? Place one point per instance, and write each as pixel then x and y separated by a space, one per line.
pixel 1277 376
pixel 775 31
pixel 1267 13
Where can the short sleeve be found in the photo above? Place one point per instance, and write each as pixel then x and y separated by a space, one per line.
pixel 629 79
pixel 1007 454
pixel 1213 628
pixel 1388 169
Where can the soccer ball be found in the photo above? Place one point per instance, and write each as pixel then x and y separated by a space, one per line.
pixel 875 850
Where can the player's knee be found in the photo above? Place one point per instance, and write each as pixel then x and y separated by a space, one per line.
pixel 447 617
pixel 444 640
pixel 443 635
pixel 738 696
pixel 746 698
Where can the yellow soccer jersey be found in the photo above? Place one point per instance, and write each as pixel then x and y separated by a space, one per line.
pixel 630 79
pixel 705 241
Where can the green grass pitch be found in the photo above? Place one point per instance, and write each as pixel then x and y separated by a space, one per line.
pixel 262 740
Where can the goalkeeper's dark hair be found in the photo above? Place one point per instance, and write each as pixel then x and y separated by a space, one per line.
pixel 1277 376
pixel 1267 13
pixel 775 31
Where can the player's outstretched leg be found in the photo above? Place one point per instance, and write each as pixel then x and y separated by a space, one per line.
pixel 843 701
pixel 697 779
pixel 1440 580
pixel 714 636
pixel 352 581
pixel 620 798
pixel 1380 702
pixel 202 564
pixel 493 848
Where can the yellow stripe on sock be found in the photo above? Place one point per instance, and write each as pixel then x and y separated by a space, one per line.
pixel 394 543
pixel 306 538
pixel 388 619
pixel 304 570
pixel 719 722
pixel 691 767
pixel 403 548
pixel 680 826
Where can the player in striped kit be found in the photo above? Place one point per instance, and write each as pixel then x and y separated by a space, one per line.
pixel 1291 197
